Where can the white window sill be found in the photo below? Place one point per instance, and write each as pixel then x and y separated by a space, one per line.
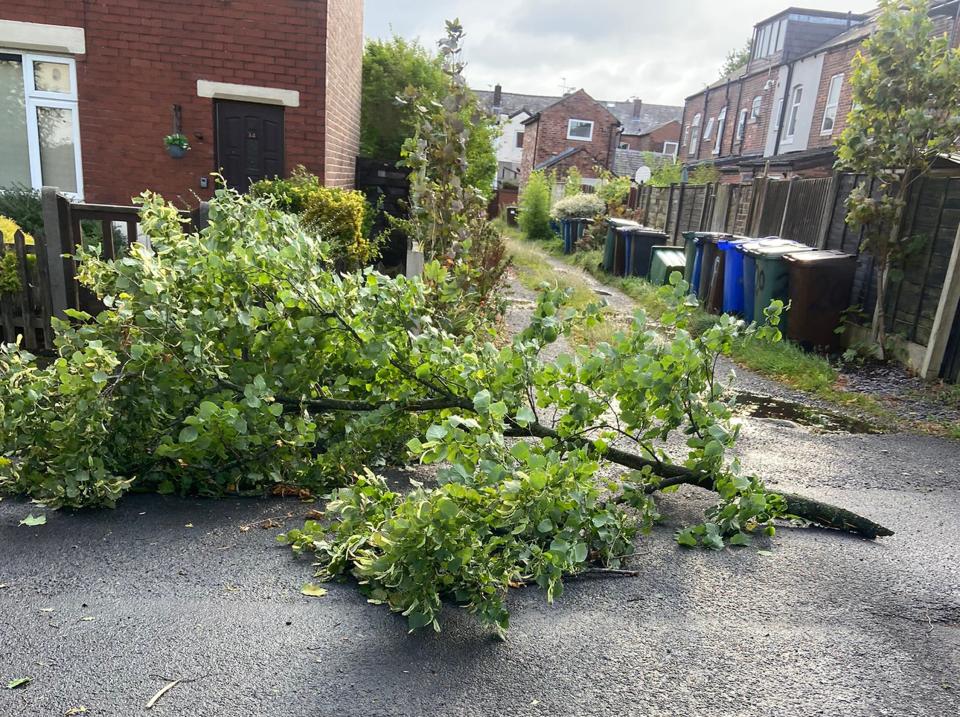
pixel 580 139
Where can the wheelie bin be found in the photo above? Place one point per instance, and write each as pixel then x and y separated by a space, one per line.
pixel 772 277
pixel 664 261
pixel 639 243
pixel 733 274
pixel 820 286
pixel 750 272
pixel 609 248
pixel 690 256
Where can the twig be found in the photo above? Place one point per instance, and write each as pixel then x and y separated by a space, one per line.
pixel 160 693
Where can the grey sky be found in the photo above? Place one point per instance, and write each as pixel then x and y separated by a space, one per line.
pixel 658 50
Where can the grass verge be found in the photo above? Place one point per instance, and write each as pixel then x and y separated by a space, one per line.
pixel 784 362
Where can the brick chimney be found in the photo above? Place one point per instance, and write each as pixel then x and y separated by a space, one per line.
pixel 637 106
pixel 498 96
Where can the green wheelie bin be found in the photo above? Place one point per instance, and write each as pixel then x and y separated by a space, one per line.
pixel 772 278
pixel 609 249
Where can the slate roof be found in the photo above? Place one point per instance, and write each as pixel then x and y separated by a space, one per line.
pixel 512 102
pixel 651 116
pixel 557 158
pixel 626 162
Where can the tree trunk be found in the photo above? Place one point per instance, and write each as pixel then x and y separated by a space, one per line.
pixel 878 331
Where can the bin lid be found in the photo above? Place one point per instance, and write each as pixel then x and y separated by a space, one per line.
pixel 618 222
pixel 820 255
pixel 644 231
pixel 774 247
pixel 733 242
pixel 670 255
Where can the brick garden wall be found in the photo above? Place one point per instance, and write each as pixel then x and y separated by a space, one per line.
pixel 344 47
pixel 143 57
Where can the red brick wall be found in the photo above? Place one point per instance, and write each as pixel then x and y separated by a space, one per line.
pixel 835 61
pixel 344 48
pixel 143 57
pixel 549 135
pixel 653 141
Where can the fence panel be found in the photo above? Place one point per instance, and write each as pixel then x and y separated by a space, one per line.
pixel 770 216
pixel 26 311
pixel 803 215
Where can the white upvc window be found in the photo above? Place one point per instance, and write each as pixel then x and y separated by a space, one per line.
pixel 741 124
pixel 670 148
pixel 40 131
pixel 778 115
pixel 580 130
pixel 755 108
pixel 833 101
pixel 721 124
pixel 796 99
pixel 708 131
pixel 695 134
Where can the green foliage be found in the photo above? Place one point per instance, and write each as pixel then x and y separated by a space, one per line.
pixel 613 190
pixel 177 140
pixel 192 380
pixel 396 69
pixel 508 513
pixel 905 85
pixel 736 59
pixel 9 274
pixel 389 68
pixel 664 170
pixel 578 206
pixel 22 205
pixel 704 174
pixel 448 217
pixel 534 210
pixel 573 184
pixel 339 215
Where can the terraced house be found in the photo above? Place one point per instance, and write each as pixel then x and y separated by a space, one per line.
pixel 781 113
pixel 89 89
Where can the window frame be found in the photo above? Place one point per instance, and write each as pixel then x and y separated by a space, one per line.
pixel 518 140
pixel 830 109
pixel 721 125
pixel 793 114
pixel 574 137
pixel 756 109
pixel 695 134
pixel 708 128
pixel 676 148
pixel 741 125
pixel 35 99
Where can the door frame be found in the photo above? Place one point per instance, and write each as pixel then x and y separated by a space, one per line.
pixel 216 133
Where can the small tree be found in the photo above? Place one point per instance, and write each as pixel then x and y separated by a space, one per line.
pixel 905 87
pixel 704 174
pixel 665 171
pixel 535 207
pixel 736 59
pixel 574 183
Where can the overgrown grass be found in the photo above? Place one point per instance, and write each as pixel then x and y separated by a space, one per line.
pixel 784 362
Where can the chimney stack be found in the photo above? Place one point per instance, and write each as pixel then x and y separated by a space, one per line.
pixel 497 96
pixel 637 105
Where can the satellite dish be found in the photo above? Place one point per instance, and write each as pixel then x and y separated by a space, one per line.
pixel 643 175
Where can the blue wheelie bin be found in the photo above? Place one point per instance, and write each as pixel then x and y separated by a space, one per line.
pixel 733 274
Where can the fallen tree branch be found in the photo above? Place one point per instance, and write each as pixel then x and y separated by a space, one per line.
pixel 816 512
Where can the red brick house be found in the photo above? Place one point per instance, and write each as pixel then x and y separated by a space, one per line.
pixel 575 131
pixel 89 89
pixel 782 112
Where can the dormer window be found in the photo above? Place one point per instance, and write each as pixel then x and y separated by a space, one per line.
pixel 768 39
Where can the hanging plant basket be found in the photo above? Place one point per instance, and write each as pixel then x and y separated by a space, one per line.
pixel 176 151
pixel 177 145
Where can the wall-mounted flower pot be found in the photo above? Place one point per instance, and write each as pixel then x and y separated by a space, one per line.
pixel 176 151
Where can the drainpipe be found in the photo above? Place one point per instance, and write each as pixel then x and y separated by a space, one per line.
pixel 783 109
pixel 736 119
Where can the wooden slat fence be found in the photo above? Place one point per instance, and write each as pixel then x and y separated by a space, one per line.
pixel 26 312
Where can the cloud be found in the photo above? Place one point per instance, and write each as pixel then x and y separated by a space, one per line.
pixel 614 49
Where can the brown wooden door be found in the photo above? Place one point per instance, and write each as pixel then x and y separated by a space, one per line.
pixel 249 142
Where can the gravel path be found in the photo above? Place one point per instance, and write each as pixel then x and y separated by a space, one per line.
pixel 102 608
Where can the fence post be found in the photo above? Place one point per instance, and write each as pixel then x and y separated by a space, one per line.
pixel 827 219
pixel 944 318
pixel 56 228
pixel 676 225
pixel 786 204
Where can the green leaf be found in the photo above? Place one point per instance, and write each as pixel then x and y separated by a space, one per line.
pixel 436 432
pixel 686 538
pixel 414 445
pixel 34 520
pixel 313 590
pixel 525 416
pixel 416 620
pixel 481 402
pixel 100 377
pixel 20 682
pixel 580 552
pixel 188 434
pixel 545 525
pixel 498 410
pixel 740 538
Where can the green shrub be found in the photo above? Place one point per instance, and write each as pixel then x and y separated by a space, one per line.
pixel 574 183
pixel 339 215
pixel 534 215
pixel 22 205
pixel 577 206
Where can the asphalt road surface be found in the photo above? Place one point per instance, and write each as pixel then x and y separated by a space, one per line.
pixel 102 608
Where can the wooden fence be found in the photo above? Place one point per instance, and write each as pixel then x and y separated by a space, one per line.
pixel 47 269
pixel 813 211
